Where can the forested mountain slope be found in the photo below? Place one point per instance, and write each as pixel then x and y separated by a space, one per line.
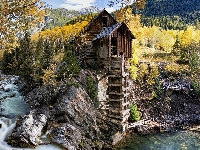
pixel 59 17
pixel 171 7
pixel 170 14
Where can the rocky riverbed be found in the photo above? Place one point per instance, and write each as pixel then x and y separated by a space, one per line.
pixel 11 100
pixel 66 114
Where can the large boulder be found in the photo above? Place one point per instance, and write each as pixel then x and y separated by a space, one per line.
pixel 27 131
pixel 68 136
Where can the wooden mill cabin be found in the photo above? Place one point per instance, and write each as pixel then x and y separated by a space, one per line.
pixel 106 37
pixel 109 47
pixel 114 41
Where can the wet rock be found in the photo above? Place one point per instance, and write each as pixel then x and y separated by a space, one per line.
pixel 41 96
pixel 6 89
pixel 27 131
pixel 2 109
pixel 67 136
pixel 143 130
pixel 12 94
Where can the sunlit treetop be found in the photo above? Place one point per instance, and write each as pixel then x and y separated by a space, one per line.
pixel 18 17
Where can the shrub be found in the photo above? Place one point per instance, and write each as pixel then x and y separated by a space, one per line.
pixel 193 61
pixel 91 89
pixel 147 73
pixel 196 86
pixel 133 66
pixel 134 114
pixel 142 73
pixel 133 72
pixel 49 75
pixel 173 69
pixel 153 74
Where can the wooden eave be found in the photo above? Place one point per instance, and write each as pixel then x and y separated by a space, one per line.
pixel 118 25
pixel 132 36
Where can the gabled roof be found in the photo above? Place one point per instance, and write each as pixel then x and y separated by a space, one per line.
pixel 100 13
pixel 109 30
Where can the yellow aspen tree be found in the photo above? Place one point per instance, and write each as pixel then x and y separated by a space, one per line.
pixel 187 37
pixel 166 41
pixel 18 17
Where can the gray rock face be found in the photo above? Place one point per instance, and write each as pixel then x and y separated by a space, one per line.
pixel 75 117
pixel 67 113
pixel 27 131
pixel 66 135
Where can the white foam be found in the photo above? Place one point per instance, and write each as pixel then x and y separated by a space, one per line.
pixel 14 105
pixel 7 126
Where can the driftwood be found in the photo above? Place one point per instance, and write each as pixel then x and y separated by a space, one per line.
pixel 177 86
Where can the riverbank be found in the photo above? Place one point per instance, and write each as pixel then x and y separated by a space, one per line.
pixel 170 103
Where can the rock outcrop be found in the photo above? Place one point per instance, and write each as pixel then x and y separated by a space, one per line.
pixel 27 131
pixel 67 114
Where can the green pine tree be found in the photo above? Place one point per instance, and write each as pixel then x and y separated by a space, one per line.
pixel 176 47
pixel 6 63
pixel 69 66
pixel 47 55
pixel 134 114
pixel 24 57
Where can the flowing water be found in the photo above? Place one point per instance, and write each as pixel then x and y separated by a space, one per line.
pixel 182 140
pixel 12 106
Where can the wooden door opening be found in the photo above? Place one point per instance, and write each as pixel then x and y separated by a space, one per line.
pixel 114 46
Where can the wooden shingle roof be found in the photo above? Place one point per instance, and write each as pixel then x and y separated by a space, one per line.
pixel 109 30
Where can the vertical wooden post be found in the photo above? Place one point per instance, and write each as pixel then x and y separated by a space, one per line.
pixel 109 47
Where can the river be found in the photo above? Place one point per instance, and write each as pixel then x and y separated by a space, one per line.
pixel 12 106
pixel 181 140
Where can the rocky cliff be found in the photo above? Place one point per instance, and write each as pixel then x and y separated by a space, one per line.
pixel 67 114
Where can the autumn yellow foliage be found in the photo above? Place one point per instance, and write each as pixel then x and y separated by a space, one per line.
pixel 190 35
pixel 49 75
pixel 16 18
pixel 64 33
pixel 175 68
pixel 146 73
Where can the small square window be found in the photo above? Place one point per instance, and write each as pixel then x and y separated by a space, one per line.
pixel 105 21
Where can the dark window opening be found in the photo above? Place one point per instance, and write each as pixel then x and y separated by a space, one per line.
pixel 105 21
pixel 114 46
pixel 101 43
